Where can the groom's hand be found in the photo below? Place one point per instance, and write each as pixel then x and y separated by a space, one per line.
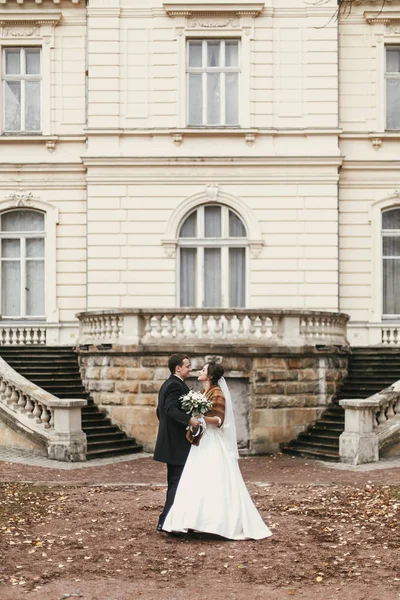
pixel 194 422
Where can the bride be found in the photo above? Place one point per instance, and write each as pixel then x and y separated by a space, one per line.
pixel 212 496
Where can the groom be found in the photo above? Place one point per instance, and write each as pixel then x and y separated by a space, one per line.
pixel 172 447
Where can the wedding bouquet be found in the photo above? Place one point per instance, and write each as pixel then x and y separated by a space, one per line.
pixel 195 403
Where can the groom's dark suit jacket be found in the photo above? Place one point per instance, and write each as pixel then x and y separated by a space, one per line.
pixel 172 446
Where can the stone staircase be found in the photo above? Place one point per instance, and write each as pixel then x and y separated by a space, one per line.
pixel 370 370
pixel 56 370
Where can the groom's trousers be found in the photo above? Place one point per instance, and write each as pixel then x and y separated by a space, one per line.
pixel 174 473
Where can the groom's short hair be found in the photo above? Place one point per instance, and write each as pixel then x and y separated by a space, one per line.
pixel 176 360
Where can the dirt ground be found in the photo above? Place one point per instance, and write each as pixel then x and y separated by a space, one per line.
pixel 90 533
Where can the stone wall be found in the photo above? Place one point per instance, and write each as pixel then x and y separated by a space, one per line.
pixel 287 388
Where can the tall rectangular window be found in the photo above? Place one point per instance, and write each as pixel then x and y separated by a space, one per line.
pixel 391 261
pixel 213 70
pixel 392 87
pixel 21 75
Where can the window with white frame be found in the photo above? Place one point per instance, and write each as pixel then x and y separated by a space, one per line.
pixel 392 76
pixel 22 247
pixel 21 90
pixel 212 258
pixel 391 262
pixel 213 70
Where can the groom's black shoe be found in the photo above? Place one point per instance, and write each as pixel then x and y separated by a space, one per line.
pixel 159 527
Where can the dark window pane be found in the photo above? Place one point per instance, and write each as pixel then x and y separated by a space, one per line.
pixel 195 99
pixel 10 248
pixel 188 276
pixel 393 60
pixel 32 60
pixel 391 286
pixel 391 246
pixel 22 220
pixel 391 219
pixel 195 54
pixel 213 54
pixel 237 274
pixel 35 287
pixel 13 62
pixel 188 228
pixel 212 221
pixel 212 277
pixel 11 288
pixel 392 103
pixel 236 227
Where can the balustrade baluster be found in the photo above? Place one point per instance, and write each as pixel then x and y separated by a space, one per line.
pixel 192 325
pixel 157 319
pixel 3 386
pixel 108 327
pixel 14 399
pixel 241 325
pixel 29 407
pixel 37 411
pixel 45 417
pixel 382 414
pixel 217 328
pixel 164 326
pixel 22 402
pixel 51 422
pixel 252 327
pixel 390 410
pixel 229 329
pixel 180 328
pixel 35 336
pixel 396 406
pixel 8 393
pixel 147 327
pixel 204 329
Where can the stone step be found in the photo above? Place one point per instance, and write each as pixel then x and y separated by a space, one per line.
pixel 56 370
pixel 110 452
pixel 311 452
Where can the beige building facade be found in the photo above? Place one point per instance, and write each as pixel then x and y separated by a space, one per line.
pixel 230 154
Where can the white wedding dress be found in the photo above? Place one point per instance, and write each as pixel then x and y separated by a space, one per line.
pixel 212 496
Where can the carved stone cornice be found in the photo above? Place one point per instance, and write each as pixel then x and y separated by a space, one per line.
pixel 238 9
pixel 383 17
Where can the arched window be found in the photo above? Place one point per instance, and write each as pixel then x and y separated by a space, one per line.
pixel 391 261
pixel 212 258
pixel 22 235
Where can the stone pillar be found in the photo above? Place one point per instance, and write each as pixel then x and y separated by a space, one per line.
pixel 289 331
pixel 358 444
pixel 68 442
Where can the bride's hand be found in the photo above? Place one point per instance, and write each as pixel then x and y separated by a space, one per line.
pixel 194 422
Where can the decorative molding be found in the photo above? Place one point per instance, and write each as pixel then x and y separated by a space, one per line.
pixel 212 9
pixel 383 17
pixel 250 138
pixel 29 25
pixel 195 23
pixel 20 31
pixel 214 17
pixel 22 198
pixel 50 145
pixel 177 138
pixel 376 142
pixel 212 191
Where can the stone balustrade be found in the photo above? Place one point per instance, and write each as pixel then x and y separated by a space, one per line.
pixel 223 326
pixel 370 425
pixel 22 335
pixel 45 419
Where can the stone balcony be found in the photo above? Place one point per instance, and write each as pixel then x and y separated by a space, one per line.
pixel 174 328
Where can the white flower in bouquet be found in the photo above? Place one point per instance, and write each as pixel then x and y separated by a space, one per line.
pixel 195 403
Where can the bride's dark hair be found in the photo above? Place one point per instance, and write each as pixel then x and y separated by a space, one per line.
pixel 214 372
